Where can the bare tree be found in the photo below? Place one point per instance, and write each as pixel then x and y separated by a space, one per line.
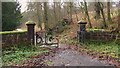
pixel 117 30
pixel 54 9
pixel 71 7
pixel 97 10
pixel 86 12
pixel 76 15
pixel 108 12
pixel 68 10
pixel 118 20
pixel 45 19
pixel 102 12
pixel 59 10
pixel 39 17
pixel 81 5
pixel 35 12
pixel 45 15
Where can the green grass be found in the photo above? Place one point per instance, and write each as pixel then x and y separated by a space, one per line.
pixel 17 54
pixel 109 48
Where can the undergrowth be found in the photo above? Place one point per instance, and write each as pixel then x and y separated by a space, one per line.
pixel 104 48
pixel 110 48
pixel 18 53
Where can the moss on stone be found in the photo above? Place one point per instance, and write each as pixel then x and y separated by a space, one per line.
pixel 30 22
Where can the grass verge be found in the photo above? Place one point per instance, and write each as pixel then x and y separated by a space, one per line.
pixel 109 48
pixel 19 53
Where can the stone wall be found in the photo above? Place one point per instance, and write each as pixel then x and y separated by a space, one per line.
pixel 100 35
pixel 13 38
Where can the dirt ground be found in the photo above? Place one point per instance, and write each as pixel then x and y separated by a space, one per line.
pixel 65 55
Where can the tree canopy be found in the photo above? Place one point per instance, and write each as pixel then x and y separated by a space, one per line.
pixel 11 15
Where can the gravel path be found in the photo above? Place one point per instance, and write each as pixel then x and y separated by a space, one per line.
pixel 66 56
pixel 70 57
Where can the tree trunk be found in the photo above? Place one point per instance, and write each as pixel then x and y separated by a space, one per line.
pixel 76 15
pixel 45 15
pixel 45 20
pixel 71 6
pixel 117 30
pixel 119 17
pixel 68 10
pixel 82 9
pixel 108 12
pixel 59 9
pixel 42 16
pixel 97 10
pixel 55 15
pixel 102 12
pixel 68 13
pixel 86 12
pixel 38 15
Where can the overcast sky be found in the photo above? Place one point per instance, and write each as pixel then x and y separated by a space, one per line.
pixel 23 5
pixel 24 2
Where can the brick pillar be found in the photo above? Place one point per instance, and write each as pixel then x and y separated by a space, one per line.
pixel 82 31
pixel 31 33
